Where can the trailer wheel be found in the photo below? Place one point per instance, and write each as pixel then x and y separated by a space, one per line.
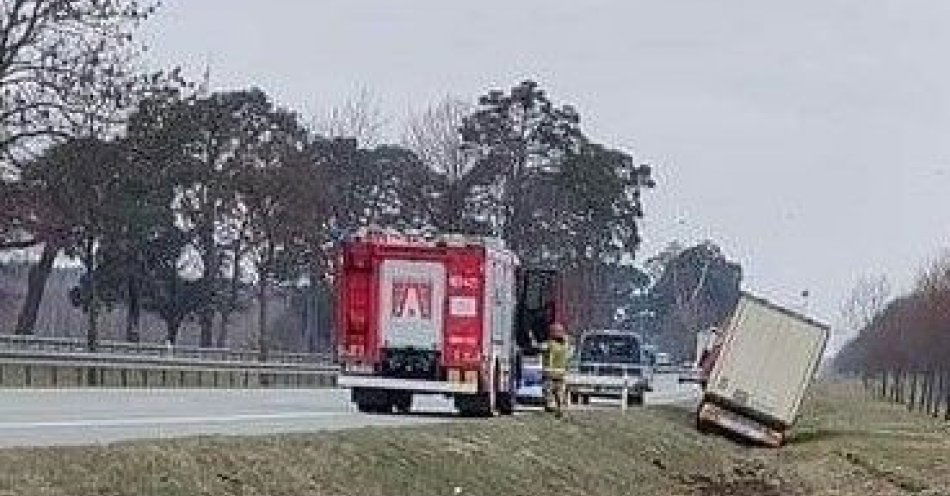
pixel 701 424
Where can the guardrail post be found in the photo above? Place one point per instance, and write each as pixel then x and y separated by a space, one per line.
pixel 624 393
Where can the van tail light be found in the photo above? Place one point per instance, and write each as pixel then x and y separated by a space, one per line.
pixel 358 368
pixel 471 377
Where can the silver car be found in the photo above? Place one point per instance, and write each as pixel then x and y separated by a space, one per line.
pixel 603 358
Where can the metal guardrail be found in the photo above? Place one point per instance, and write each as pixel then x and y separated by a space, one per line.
pixel 56 345
pixel 32 369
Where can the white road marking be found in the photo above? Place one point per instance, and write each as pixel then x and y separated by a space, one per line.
pixel 167 420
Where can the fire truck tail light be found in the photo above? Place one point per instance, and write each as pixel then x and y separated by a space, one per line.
pixel 354 350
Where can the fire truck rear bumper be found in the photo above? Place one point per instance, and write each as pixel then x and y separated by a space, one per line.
pixel 415 385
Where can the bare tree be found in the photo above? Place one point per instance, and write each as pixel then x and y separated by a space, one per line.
pixel 867 300
pixel 58 60
pixel 65 70
pixel 360 116
pixel 433 135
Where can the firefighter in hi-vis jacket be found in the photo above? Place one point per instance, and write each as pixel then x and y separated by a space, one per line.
pixel 554 360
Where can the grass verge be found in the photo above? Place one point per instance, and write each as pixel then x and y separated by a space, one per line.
pixel 844 445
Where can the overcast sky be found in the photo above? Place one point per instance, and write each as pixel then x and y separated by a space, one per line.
pixel 810 139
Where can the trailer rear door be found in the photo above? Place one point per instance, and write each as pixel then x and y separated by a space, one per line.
pixel 767 360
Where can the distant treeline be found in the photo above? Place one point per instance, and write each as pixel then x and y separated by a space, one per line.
pixel 905 342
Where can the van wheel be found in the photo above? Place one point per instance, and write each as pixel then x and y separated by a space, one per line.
pixel 635 399
pixel 506 403
pixel 403 402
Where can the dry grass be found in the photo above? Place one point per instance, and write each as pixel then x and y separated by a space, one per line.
pixel 845 445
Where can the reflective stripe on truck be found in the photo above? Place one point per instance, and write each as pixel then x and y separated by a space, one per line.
pixel 415 385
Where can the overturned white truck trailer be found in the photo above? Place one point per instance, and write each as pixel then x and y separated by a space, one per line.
pixel 768 358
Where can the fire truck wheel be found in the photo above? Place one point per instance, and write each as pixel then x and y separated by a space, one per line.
pixel 374 408
pixel 474 405
pixel 372 400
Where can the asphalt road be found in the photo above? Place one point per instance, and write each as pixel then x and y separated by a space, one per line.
pixel 46 417
pixel 88 416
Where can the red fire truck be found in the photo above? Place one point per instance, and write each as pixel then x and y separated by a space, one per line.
pixel 450 316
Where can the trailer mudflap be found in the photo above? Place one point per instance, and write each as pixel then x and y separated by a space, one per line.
pixel 740 424
pixel 412 385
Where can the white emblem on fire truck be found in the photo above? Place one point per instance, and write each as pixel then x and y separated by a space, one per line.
pixel 412 299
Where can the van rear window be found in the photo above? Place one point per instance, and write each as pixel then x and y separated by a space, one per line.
pixel 610 348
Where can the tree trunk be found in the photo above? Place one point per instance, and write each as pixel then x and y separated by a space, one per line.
pixel 262 302
pixel 883 384
pixel 940 393
pixel 928 400
pixel 92 333
pixel 133 316
pixel 223 329
pixel 172 326
pixel 901 386
pixel 947 398
pixel 895 374
pixel 36 286
pixel 206 321
pixel 212 266
pixel 913 392
pixel 232 299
